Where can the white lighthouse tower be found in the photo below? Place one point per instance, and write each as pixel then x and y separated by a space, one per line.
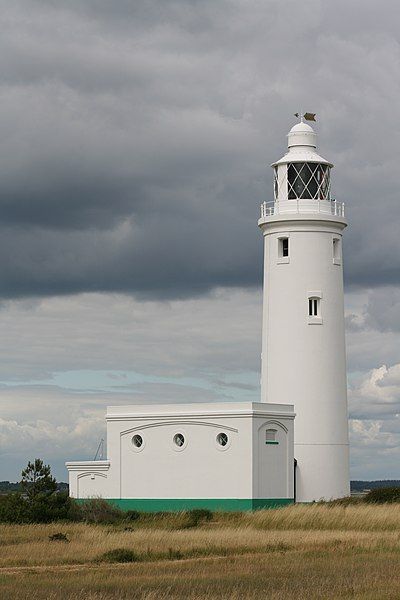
pixel 303 343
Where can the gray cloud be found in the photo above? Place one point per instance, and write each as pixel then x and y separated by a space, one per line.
pixel 383 309
pixel 135 138
pixel 217 335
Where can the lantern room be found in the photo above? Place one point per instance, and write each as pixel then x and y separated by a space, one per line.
pixel 302 174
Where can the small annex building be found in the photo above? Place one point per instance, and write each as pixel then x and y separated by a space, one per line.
pixel 221 456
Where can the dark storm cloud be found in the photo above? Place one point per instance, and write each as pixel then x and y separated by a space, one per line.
pixel 135 138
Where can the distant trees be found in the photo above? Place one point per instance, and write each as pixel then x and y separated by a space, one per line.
pixel 383 495
pixel 39 501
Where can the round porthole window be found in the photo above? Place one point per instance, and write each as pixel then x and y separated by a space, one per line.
pixel 179 440
pixel 137 441
pixel 222 439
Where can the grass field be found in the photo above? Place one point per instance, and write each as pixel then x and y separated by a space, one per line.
pixel 296 552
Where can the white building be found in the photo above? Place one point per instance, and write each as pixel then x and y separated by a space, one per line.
pixel 226 456
pixel 238 456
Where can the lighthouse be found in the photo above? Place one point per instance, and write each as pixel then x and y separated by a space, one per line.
pixel 303 359
pixel 293 444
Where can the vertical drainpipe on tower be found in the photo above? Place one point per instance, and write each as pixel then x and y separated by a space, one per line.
pixel 294 481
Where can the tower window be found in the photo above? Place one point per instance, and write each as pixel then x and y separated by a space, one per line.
pixel 270 436
pixel 314 308
pixel 283 249
pixel 336 251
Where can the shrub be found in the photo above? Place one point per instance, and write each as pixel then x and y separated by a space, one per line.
pixel 382 495
pixel 14 509
pixel 197 515
pixel 58 537
pixel 44 508
pixel 97 510
pixel 174 554
pixel 132 515
pixel 118 555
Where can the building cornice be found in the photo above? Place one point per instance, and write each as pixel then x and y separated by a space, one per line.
pixel 200 414
pixel 89 465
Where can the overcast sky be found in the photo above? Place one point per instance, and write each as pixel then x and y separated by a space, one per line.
pixel 135 139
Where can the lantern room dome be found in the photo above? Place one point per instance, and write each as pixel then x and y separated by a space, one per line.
pixel 301 127
pixel 302 146
pixel 302 134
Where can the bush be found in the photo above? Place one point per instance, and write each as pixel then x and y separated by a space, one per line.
pixel 97 510
pixel 174 554
pixel 43 508
pixel 132 515
pixel 382 495
pixel 118 555
pixel 58 537
pixel 47 508
pixel 197 515
pixel 14 509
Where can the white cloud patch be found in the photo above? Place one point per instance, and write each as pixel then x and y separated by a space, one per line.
pixel 375 424
pixel 63 360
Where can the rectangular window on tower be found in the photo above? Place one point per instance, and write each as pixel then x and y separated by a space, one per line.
pixel 337 251
pixel 283 249
pixel 314 308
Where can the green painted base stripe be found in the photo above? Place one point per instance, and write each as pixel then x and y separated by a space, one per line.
pixel 179 504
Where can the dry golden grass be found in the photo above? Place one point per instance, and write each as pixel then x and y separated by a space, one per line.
pixel 296 552
pixel 358 517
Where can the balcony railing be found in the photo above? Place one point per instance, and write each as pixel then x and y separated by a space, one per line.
pixel 330 207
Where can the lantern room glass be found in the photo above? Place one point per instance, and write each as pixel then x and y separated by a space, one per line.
pixel 309 181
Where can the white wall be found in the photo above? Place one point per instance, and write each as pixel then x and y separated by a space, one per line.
pixel 202 469
pixel 273 463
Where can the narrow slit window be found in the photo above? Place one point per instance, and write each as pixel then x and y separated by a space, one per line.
pixel 313 307
pixel 283 247
pixel 336 250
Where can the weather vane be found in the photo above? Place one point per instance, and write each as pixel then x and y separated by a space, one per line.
pixel 307 116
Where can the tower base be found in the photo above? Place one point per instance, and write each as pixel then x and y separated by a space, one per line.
pixel 322 472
